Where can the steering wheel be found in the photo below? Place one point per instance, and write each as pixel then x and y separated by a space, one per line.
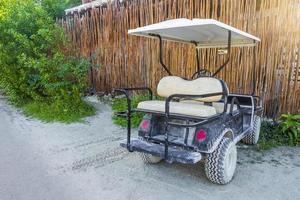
pixel 201 73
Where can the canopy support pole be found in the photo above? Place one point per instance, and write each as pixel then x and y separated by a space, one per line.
pixel 254 70
pixel 161 53
pixel 228 57
pixel 197 56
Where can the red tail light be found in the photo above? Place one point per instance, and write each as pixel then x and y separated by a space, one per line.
pixel 201 135
pixel 145 125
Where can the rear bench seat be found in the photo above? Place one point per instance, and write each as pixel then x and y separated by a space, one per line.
pixel 175 85
pixel 183 108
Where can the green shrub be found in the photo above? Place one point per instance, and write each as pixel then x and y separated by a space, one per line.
pixel 56 8
pixel 36 64
pixel 290 126
pixel 271 136
pixel 284 132
pixel 120 104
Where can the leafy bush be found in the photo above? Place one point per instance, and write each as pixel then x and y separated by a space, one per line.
pixel 120 104
pixel 290 125
pixel 270 135
pixel 284 132
pixel 37 66
pixel 56 8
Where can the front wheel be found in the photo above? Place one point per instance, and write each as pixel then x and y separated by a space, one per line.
pixel 220 165
pixel 253 136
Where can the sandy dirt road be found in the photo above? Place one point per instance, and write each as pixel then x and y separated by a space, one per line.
pixel 83 161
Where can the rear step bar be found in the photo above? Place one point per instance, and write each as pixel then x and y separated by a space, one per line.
pixel 174 154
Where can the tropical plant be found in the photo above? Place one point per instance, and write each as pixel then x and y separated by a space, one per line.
pixel 290 125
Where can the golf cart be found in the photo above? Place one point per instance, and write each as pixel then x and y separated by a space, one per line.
pixel 199 118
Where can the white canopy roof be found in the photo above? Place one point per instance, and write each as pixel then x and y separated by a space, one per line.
pixel 207 33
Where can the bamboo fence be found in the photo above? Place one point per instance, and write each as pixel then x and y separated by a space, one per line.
pixel 101 33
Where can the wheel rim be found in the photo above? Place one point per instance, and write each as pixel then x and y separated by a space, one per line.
pixel 230 162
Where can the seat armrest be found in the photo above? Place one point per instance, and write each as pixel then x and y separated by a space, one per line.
pixel 234 100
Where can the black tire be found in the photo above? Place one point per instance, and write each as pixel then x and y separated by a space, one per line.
pixel 253 136
pixel 220 165
pixel 150 159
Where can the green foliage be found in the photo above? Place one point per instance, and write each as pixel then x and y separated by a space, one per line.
pixel 56 8
pixel 271 136
pixel 59 111
pixel 284 132
pixel 290 125
pixel 120 104
pixel 36 63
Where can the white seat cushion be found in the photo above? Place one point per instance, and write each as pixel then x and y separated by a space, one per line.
pixel 191 109
pixel 204 85
pixel 219 106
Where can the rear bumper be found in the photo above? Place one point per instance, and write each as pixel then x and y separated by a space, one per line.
pixel 174 154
